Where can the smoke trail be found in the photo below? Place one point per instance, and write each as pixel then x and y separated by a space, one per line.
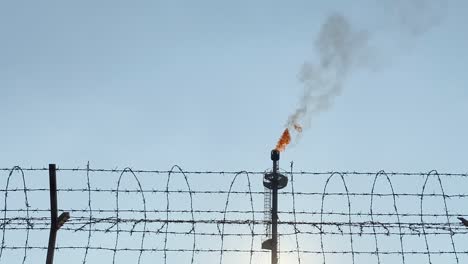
pixel 342 49
pixel 339 47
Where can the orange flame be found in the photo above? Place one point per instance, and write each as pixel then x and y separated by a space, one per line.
pixel 283 141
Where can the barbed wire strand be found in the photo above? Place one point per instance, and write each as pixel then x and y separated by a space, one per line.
pixel 349 214
pixel 395 208
pixel 296 231
pixel 90 227
pixel 230 173
pixel 117 214
pixel 193 230
pixel 435 173
pixel 28 224
pixel 222 250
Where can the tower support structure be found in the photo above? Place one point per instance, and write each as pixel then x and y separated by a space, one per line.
pixel 274 181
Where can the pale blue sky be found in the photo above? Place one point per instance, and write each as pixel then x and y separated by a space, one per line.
pixel 210 84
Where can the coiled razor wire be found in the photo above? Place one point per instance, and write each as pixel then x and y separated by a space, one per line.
pixel 150 216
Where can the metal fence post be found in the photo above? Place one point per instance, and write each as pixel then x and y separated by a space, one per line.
pixel 55 221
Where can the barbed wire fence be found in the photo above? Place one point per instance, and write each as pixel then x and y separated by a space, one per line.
pixel 177 216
